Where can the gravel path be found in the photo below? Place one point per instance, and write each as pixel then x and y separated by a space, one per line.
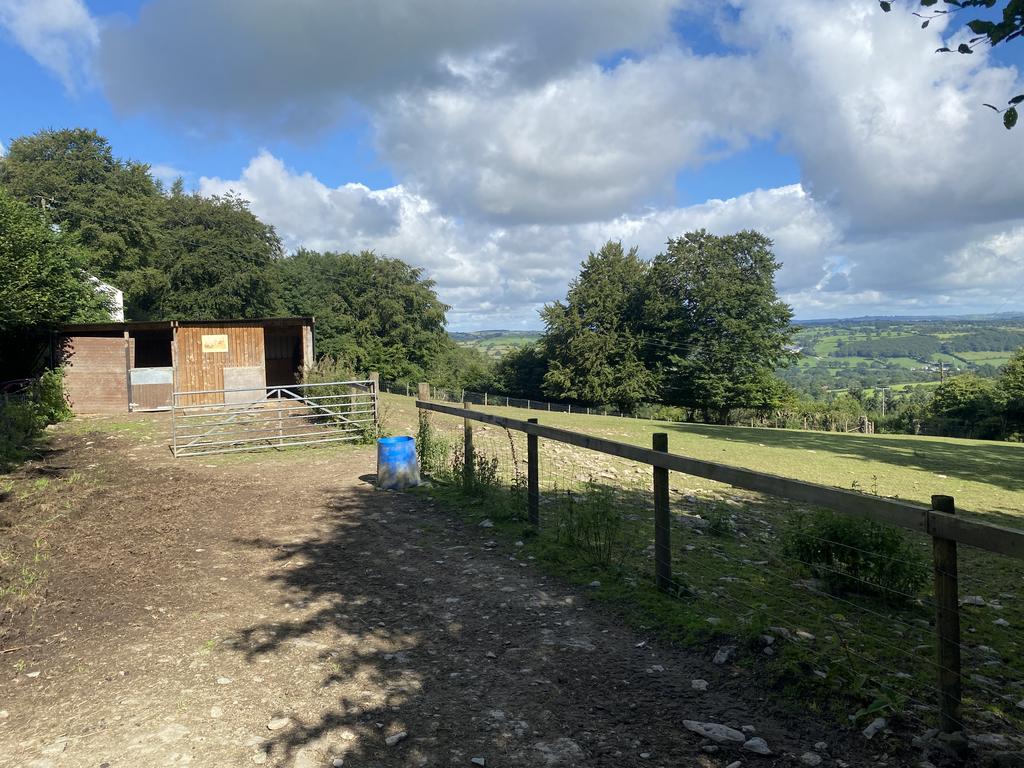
pixel 280 611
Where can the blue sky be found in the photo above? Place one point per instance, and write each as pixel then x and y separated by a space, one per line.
pixel 496 144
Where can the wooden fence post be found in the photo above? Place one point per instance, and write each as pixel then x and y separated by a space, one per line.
pixel 662 522
pixel 423 391
pixel 947 623
pixel 467 469
pixel 532 478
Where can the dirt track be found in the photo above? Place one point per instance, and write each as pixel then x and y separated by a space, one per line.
pixel 192 604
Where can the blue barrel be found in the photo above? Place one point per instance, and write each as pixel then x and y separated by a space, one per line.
pixel 396 463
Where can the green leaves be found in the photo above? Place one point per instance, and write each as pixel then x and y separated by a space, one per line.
pixel 980 27
pixel 592 338
pixel 41 285
pixel 373 312
pixel 885 5
pixel 1010 118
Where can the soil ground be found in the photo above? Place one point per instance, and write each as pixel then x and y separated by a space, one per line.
pixel 276 609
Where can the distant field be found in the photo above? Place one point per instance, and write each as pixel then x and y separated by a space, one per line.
pixel 992 358
pixel 820 342
pixel 496 343
pixel 984 477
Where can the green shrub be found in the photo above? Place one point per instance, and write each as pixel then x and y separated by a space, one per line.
pixel 592 522
pixel 855 555
pixel 20 423
pixel 49 396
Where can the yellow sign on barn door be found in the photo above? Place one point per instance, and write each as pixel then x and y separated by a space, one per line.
pixel 215 342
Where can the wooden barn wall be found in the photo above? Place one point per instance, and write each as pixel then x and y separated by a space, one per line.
pixel 198 370
pixel 96 375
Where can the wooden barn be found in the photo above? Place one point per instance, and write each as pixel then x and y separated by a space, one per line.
pixel 136 366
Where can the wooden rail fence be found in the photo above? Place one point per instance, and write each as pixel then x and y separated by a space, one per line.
pixel 938 521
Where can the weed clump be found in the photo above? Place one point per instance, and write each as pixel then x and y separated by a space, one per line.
pixel 592 522
pixel 433 449
pixel 853 555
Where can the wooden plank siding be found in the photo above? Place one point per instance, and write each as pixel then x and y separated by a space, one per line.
pixel 96 376
pixel 196 370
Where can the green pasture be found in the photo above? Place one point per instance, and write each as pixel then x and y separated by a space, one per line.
pixel 985 477
pixel 856 655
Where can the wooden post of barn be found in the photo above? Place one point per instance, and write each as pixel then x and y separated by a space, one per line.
pixel 467 469
pixel 947 623
pixel 662 523
pixel 532 478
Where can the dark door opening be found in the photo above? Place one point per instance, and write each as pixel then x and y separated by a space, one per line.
pixel 283 354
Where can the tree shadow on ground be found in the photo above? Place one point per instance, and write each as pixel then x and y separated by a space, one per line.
pixel 999 464
pixel 406 621
pixel 402 628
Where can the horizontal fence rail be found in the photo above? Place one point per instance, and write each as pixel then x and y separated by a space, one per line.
pixel 939 522
pixel 988 536
pixel 213 421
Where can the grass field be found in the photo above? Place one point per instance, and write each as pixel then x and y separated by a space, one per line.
pixel 991 358
pixel 984 477
pixel 848 652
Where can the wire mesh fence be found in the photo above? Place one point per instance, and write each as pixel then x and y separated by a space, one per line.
pixel 839 611
pixel 443 395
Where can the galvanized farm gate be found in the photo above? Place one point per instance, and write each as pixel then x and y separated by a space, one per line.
pixel 205 422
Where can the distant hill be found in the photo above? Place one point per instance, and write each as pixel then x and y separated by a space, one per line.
pixel 871 352
pixel 495 343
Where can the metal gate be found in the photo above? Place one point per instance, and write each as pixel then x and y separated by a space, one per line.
pixel 205 422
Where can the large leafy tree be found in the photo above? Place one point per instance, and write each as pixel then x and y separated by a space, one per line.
pixel 214 261
pixel 41 283
pixel 372 312
pixel 719 323
pixel 968 406
pixel 594 352
pixel 110 205
pixel 520 372
pixel 1011 385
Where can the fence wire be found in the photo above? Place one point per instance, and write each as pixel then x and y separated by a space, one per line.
pixel 846 618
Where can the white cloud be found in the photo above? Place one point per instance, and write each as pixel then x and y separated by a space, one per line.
pixel 525 134
pixel 294 67
pixel 887 131
pixel 500 275
pixel 59 34
pixel 590 144
pixel 505 273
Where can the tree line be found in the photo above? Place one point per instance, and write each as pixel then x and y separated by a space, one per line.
pixel 70 210
pixel 694 332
